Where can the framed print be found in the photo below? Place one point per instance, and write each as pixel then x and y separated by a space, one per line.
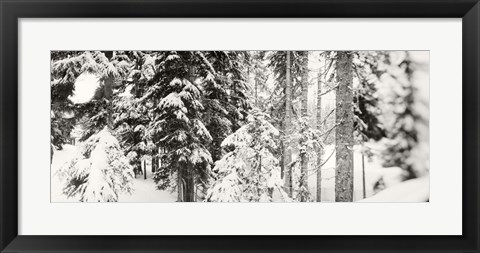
pixel 259 126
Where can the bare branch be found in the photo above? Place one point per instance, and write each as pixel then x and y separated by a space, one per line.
pixel 328 115
pixel 327 133
pixel 327 91
pixel 331 154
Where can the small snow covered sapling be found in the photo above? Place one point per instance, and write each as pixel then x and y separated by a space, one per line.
pixel 99 172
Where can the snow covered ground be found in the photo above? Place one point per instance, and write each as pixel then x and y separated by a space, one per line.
pixel 413 190
pixel 373 171
pixel 145 191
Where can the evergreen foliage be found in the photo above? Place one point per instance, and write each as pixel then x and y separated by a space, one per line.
pixel 99 172
pixel 216 123
pixel 249 172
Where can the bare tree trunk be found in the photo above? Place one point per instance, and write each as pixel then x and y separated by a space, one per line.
pixel 51 153
pixel 179 185
pixel 304 111
pixel 282 156
pixel 256 89
pixel 145 169
pixel 189 193
pixel 363 176
pixel 319 128
pixel 154 163
pixel 304 84
pixel 288 117
pixel 344 131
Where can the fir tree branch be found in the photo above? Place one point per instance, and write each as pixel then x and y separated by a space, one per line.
pixel 205 60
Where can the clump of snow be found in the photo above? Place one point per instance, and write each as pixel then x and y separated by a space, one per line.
pixel 171 100
pixel 85 87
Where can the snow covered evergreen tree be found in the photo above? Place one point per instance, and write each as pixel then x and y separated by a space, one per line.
pixel 177 125
pixel 287 69
pixel 132 115
pixel 66 66
pixel 258 75
pixel 307 141
pixel 223 79
pixel 367 124
pixel 403 133
pixel 244 112
pixel 249 172
pixel 110 68
pixel 365 100
pixel 99 172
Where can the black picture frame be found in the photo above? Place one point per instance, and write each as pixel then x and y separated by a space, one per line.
pixel 11 11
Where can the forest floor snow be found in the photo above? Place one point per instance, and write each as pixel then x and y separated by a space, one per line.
pixel 144 190
pixel 373 171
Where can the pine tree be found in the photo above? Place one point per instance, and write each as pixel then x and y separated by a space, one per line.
pixel 66 66
pixel 110 68
pixel 287 68
pixel 288 122
pixel 307 141
pixel 304 114
pixel 177 126
pixel 99 172
pixel 366 110
pixel 249 172
pixel 260 72
pixel 403 136
pixel 223 79
pixel 95 173
pixel 344 130
pixel 132 115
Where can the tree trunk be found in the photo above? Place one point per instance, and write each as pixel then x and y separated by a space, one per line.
pixel 282 156
pixel 288 117
pixel 179 185
pixel 319 128
pixel 154 164
pixel 363 177
pixel 145 169
pixel 189 193
pixel 51 154
pixel 188 175
pixel 108 92
pixel 344 131
pixel 304 111
pixel 256 89
pixel 304 84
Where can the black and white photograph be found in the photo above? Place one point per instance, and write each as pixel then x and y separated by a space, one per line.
pixel 239 126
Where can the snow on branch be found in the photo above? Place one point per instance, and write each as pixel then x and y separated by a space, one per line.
pixel 205 60
pixel 172 100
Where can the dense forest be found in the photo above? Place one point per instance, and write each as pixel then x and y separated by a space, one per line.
pixel 238 126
